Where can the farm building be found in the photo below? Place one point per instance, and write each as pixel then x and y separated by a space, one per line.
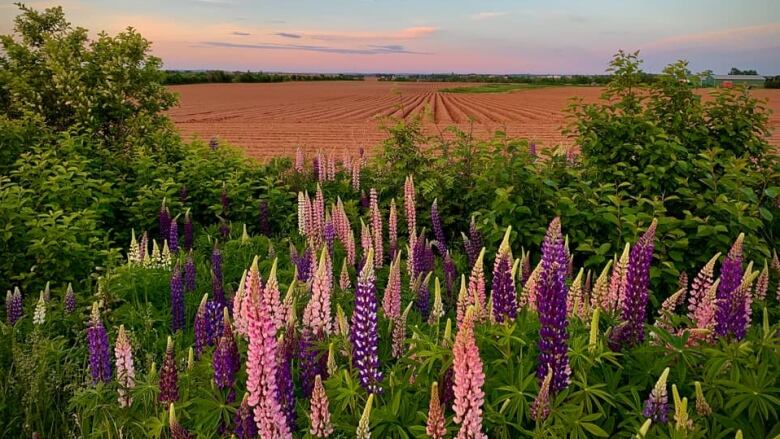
pixel 755 81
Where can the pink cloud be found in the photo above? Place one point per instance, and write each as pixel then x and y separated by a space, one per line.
pixel 738 37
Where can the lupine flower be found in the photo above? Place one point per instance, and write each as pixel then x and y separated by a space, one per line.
pixel 344 281
pixel 702 407
pixel 364 427
pixel 438 230
pixel 391 302
pixel 99 349
pixel 437 311
pixel 356 175
pixel 177 300
pixel 399 332
pixel 634 311
pixel 657 405
pixel 169 377
pixel 376 229
pixel 188 231
pixel 39 316
pixel 331 363
pixel 143 247
pixel 322 171
pixel 476 291
pixel 214 311
pixel 422 302
pixel 299 160
pixel 410 207
pixel 264 220
pixel 704 316
pixel 310 361
pixel 217 288
pixel 532 149
pixel 302 210
pixel 701 285
pixel 681 420
pixel 70 300
pixel 224 229
pixel 540 409
pixel 244 420
pixel 165 221
pixel 392 229
pixel 173 235
pixel 667 309
pixel 271 297
pixel 586 289
pixel 463 301
pixel 134 252
pixel 474 242
pixel 742 302
pixel 262 375
pixel 318 209
pixel 363 336
pixel 551 295
pixel 469 378
pixel 450 274
pixel 183 193
pixel 226 360
pixel 600 296
pixel 177 431
pixel 317 315
pixel 200 327
pixel 284 379
pixel 503 292
pixel 526 264
pixel 729 307
pixel 329 234
pixel 617 283
pixel 576 297
pixel 434 425
pixel 762 283
pixel 125 371
pixel 165 257
pixel 320 413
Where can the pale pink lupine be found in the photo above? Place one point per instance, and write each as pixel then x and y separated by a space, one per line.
pixel 762 283
pixel 434 425
pixel 463 301
pixel 239 322
pixel 540 408
pixel 299 160
pixel 344 281
pixel 701 286
pixel 262 375
pixel 356 175
pixel 319 212
pixel 308 214
pixel 302 210
pixel 391 302
pixel 468 381
pixel 376 228
pixel 410 207
pixel 322 168
pixel 350 247
pixel 320 413
pixel 600 296
pixel 617 283
pixel 392 229
pixel 271 298
pixel 399 332
pixel 366 241
pixel 575 298
pixel 317 315
pixel 704 316
pixel 529 289
pixel 331 167
pixel 253 295
pixel 125 371
pixel 667 309
pixel 476 289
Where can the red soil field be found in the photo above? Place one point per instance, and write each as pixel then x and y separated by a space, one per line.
pixel 274 119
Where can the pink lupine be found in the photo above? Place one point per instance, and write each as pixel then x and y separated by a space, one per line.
pixel 356 175
pixel 391 302
pixel 701 286
pixel 392 229
pixel 528 297
pixel 344 281
pixel 469 379
pixel 271 298
pixel 299 160
pixel 322 164
pixel 317 315
pixel 376 229
pixel 239 320
pixel 410 206
pixel 399 332
pixel 320 413
pixel 617 283
pixel 262 374
pixel 540 409
pixel 600 295
pixel 125 371
pixel 762 283
pixel 366 240
pixel 667 309
pixel 319 213
pixel 704 315
pixel 434 425
pixel 331 167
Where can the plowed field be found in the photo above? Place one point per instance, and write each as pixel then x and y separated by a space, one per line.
pixel 273 119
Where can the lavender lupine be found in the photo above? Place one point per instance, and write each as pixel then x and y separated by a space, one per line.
pixel 363 334
pixel 70 300
pixel 503 293
pixel 392 229
pixel 469 379
pixel 551 293
pixel 177 300
pixel 729 310
pixel 173 235
pixel 165 221
pixel 438 229
pixel 634 310
pixel 13 306
pixel 99 348
pixel 125 371
pixel 169 376
pixel 226 360
pixel 657 404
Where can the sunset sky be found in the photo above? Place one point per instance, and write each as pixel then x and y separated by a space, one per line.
pixel 552 36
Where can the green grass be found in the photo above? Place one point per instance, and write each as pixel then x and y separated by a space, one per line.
pixel 491 88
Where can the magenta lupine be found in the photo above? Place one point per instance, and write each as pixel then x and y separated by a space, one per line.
pixel 226 360
pixel 540 408
pixel 299 160
pixel 376 229
pixel 468 381
pixel 317 316
pixel 634 311
pixel 261 375
pixel 264 219
pixel 200 327
pixel 244 421
pixel 99 348
pixel 125 371
pixel 173 235
pixel 391 302
pixel 438 229
pixel 169 377
pixel 13 306
pixel 657 404
pixel 503 293
pixel 700 286
pixel 729 306
pixel 434 424
pixel 177 300
pixel 551 293
pixel 363 334
pixel 70 300
pixel 319 411
pixel 392 229
pixel 410 206
pixel 165 221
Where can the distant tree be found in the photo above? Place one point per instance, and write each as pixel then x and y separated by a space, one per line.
pixel 736 71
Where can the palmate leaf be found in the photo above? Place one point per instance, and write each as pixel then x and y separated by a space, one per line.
pixel 756 393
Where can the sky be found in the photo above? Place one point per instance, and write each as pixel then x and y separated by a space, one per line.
pixel 425 36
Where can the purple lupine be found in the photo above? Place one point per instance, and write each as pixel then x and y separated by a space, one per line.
pixel 634 310
pixel 503 293
pixel 303 264
pixel 188 231
pixel 657 404
pixel 472 242
pixel 214 315
pixel 730 313
pixel 189 272
pixel 200 327
pixel 438 230
pixel 310 361
pixel 284 380
pixel 99 348
pixel 177 300
pixel 70 300
pixel 165 222
pixel 315 163
pixel 532 149
pixel 169 377
pixel 217 288
pixel 363 331
pixel 13 306
pixel 184 194
pixel 224 229
pixel 423 301
pixel 330 235
pixel 551 294
pixel 173 235
pixel 245 421
pixel 450 274
pixel 226 360
pixel 264 221
pixel 446 393
pixel 365 202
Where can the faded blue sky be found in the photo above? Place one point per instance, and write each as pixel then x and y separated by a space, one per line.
pixel 552 36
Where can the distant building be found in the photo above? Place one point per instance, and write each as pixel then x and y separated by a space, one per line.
pixel 754 81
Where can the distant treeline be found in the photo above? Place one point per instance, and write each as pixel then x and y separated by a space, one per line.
pixel 515 79
pixel 221 76
pixel 772 82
